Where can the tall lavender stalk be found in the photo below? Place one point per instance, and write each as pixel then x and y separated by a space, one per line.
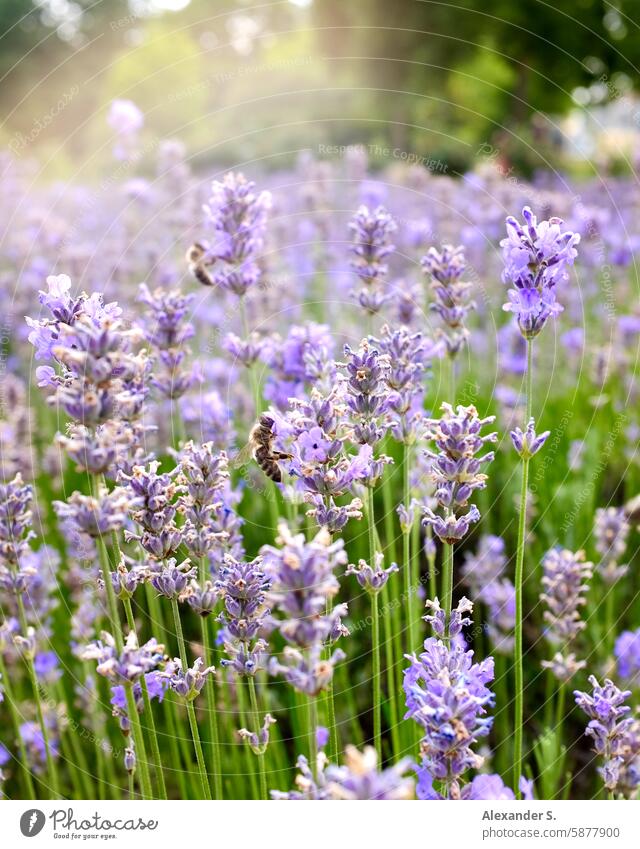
pixel 536 257
pixel 15 533
pixel 455 472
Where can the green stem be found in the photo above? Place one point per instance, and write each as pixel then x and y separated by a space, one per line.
pixel 116 628
pixel 51 764
pixel 519 581
pixel 191 713
pixel 431 563
pixel 409 578
pixel 334 743
pixel 211 697
pixel 15 718
pixel 312 729
pixel 155 748
pixel 141 756
pixel 375 636
pixel 389 642
pixel 256 725
pixel 174 723
pixel 447 581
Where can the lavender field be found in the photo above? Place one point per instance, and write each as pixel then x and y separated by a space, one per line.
pixel 318 483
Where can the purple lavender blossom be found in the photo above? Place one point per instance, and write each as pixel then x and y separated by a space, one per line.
pixel 370 248
pixel 528 443
pixel 627 652
pixel 293 362
pixel 128 667
pixel 96 517
pixel 451 294
pixel 372 578
pixel 188 684
pixel 243 588
pixel 126 120
pixel 536 258
pixel 15 521
pixel 486 565
pixel 409 357
pixel 153 508
pixel 167 330
pixel 455 469
pixel 258 741
pixel 238 217
pixel 615 735
pixel 204 475
pixel 565 585
pixel 447 695
pixel 303 586
pixel 611 529
pixel 366 392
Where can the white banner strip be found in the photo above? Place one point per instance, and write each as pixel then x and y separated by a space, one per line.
pixel 278 825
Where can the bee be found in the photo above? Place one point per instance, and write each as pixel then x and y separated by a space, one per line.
pixel 198 263
pixel 261 442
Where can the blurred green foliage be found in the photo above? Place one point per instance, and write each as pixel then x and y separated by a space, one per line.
pixel 238 82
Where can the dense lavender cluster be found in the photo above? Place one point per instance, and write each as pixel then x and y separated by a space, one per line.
pixel 447 695
pixel 455 470
pixel 565 584
pixel 193 606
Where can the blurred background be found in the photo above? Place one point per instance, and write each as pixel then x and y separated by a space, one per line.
pixel 523 83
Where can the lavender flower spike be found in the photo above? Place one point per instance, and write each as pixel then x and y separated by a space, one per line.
pixel 528 443
pixel 258 741
pixel 565 585
pixel 616 736
pixel 372 578
pixel 536 257
pixel 188 683
pixel 447 695
pixel 455 469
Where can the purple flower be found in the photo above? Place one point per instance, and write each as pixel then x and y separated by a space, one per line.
pixel 47 667
pixel 96 517
pixel 565 585
pixel 446 694
pixel 167 329
pixel 615 735
pixel 313 446
pixel 536 257
pixel 492 787
pixel 303 585
pixel 370 248
pixel 243 588
pixel 302 359
pixel 171 579
pixel 455 469
pixel 15 521
pixel 188 683
pixel 309 672
pixel 451 294
pixel 125 117
pixel 408 356
pixel 528 443
pixel 258 741
pixel 486 566
pixel 153 508
pixel 238 217
pixel 627 652
pixel 367 396
pixel 125 668
pixel 204 476
pixel 372 578
pixel 611 529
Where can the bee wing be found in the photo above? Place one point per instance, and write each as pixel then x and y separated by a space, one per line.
pixel 244 455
